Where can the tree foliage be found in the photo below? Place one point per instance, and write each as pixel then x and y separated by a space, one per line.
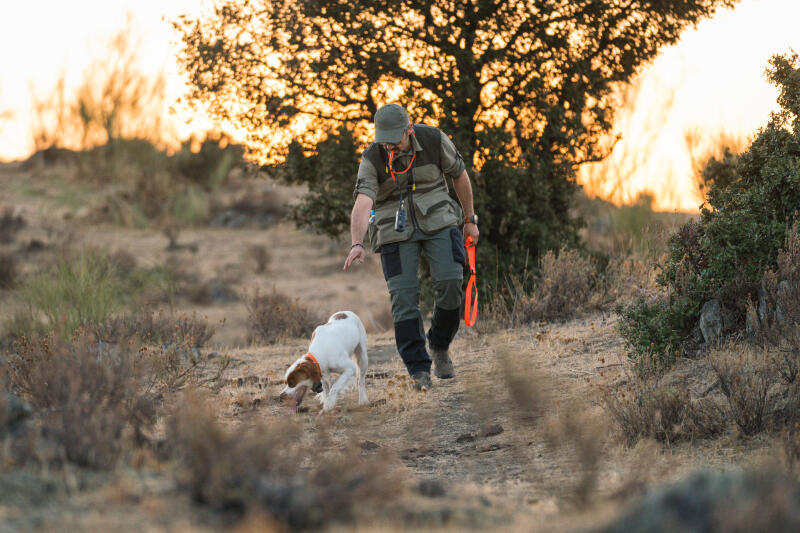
pixel 524 88
pixel 541 70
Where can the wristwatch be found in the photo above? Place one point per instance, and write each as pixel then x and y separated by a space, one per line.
pixel 472 219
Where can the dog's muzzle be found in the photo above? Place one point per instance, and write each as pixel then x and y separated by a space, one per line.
pixel 317 388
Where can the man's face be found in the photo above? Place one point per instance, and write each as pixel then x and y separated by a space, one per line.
pixel 401 146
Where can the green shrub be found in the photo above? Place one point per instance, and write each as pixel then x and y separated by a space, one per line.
pixel 189 206
pixel 210 165
pixel 77 290
pixel 654 330
pixel 751 201
pixel 328 174
pixel 84 287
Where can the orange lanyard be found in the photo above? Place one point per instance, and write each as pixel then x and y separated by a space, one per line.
pixel 391 167
pixel 471 297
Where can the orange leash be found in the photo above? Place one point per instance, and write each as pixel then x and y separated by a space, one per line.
pixel 471 303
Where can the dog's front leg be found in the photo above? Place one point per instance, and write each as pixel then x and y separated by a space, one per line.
pixel 344 380
pixel 326 389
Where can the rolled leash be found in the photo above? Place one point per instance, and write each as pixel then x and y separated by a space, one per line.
pixel 471 297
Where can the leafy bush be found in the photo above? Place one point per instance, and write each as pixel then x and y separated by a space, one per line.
pixel 751 201
pixel 328 174
pixel 209 165
pixel 653 330
pixel 773 321
pixel 273 317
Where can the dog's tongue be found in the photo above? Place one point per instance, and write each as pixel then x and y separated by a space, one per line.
pixel 294 406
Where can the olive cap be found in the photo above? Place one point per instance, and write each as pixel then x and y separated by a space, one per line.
pixel 391 121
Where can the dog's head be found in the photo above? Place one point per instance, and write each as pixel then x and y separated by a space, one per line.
pixel 300 377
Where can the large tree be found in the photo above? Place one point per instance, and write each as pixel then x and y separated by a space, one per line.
pixel 523 87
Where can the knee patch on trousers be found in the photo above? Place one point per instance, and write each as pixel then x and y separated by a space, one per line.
pixel 448 293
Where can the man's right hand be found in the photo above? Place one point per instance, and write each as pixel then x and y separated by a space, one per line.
pixel 356 252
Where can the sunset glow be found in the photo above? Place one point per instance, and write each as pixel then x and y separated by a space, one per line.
pixel 708 88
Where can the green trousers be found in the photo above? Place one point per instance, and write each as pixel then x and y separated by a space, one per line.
pixel 445 254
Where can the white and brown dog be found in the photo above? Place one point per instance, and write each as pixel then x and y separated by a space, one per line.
pixel 332 345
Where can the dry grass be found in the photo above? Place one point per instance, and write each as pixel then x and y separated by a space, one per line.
pixel 746 377
pixel 10 224
pixel 275 316
pixel 259 256
pixel 9 270
pixel 267 467
pixel 91 398
pixel 156 327
pixel 646 407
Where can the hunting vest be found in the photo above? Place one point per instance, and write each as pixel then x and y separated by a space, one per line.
pixel 428 203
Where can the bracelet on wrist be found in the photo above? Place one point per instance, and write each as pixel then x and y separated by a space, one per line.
pixel 357 244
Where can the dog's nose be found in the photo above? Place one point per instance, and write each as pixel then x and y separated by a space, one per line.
pixel 317 387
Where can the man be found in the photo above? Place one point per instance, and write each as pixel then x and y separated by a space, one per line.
pixel 402 204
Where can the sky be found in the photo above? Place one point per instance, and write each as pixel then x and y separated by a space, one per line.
pixel 711 84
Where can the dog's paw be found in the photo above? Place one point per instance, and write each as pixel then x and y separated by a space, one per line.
pixel 363 401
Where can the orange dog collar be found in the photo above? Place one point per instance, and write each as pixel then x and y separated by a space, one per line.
pixel 314 359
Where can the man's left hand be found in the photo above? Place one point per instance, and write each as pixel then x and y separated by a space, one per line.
pixel 471 230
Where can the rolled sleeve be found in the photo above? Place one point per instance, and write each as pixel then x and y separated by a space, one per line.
pixel 452 162
pixel 367 182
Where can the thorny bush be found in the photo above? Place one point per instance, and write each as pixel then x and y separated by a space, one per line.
pixel 91 398
pixel 275 316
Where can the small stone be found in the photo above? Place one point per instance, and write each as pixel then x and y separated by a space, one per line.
pixel 16 409
pixel 490 430
pixel 432 488
pixel 711 320
pixel 466 437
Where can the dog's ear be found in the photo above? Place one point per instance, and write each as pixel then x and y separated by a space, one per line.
pixel 311 370
pixel 297 375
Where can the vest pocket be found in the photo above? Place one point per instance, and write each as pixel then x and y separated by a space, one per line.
pixel 390 260
pixel 435 211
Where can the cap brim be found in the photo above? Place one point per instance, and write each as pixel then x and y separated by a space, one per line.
pixel 390 136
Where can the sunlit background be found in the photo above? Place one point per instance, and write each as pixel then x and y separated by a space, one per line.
pixel 706 92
